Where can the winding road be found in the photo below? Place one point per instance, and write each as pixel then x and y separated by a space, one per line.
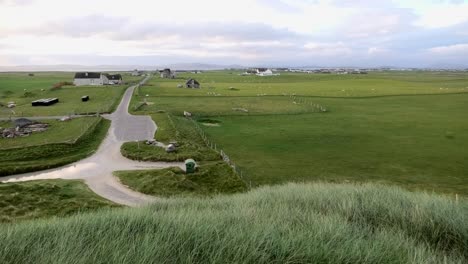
pixel 97 170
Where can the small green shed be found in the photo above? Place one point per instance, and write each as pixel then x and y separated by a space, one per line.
pixel 190 166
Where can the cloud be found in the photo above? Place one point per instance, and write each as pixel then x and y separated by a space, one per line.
pixel 124 28
pixel 327 49
pixel 451 50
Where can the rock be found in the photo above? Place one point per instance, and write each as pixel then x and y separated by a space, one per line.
pixel 150 142
pixel 65 118
pixel 171 148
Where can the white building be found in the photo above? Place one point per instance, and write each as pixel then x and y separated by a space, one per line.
pixel 90 78
pixel 264 72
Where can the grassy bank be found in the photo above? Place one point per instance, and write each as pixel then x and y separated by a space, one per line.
pixel 41 157
pixel 211 178
pixel 310 223
pixel 50 198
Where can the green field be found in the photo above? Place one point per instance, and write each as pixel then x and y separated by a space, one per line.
pixel 23 89
pixel 404 128
pixel 64 143
pixel 58 132
pixel 307 223
pixel 218 83
pixel 48 198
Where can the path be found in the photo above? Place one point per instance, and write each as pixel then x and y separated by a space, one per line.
pixel 97 170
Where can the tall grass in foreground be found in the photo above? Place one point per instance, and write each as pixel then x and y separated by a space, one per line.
pixel 310 223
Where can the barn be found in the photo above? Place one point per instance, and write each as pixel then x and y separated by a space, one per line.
pixel 90 78
pixel 192 83
pixel 167 74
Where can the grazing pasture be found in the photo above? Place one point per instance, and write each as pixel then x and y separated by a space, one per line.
pixel 404 128
pixel 23 89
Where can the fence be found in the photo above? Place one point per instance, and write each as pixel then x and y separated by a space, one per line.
pixel 317 108
pixel 223 154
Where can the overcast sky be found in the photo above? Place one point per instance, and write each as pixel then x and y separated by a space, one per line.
pixel 416 33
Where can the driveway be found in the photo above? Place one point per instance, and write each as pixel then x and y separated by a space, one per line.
pixel 97 170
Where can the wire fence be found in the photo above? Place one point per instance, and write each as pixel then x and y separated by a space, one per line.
pixel 243 176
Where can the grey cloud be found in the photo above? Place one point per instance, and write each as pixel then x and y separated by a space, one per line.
pixel 122 28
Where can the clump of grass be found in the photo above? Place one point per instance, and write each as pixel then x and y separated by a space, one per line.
pixel 59 85
pixel 308 223
pixel 449 135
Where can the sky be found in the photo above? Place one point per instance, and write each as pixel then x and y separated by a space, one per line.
pixel 364 33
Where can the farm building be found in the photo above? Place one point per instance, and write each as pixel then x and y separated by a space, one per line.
pixel 192 83
pixel 115 78
pixel 167 74
pixel 90 78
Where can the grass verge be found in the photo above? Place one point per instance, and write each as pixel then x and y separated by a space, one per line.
pixel 308 223
pixel 210 178
pixel 39 199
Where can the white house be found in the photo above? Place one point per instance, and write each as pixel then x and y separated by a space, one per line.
pixel 264 72
pixel 90 78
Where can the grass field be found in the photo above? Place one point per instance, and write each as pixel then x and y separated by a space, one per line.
pixel 308 223
pixel 218 83
pixel 22 89
pixel 58 132
pixel 59 151
pixel 51 198
pixel 404 128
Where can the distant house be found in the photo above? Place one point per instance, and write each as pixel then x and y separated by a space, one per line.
pixel 115 78
pixel 264 72
pixel 90 78
pixel 167 74
pixel 136 72
pixel 192 83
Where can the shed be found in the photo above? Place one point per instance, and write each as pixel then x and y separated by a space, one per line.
pixel 192 83
pixel 45 102
pixel 190 166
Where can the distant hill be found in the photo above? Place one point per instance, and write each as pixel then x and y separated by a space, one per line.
pixel 296 223
pixel 71 67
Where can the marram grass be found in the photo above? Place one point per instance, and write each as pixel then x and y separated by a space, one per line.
pixel 309 223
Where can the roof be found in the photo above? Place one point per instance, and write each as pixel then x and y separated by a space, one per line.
pixel 114 77
pixel 87 75
pixel 190 161
pixel 190 81
pixel 21 122
pixel 166 70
